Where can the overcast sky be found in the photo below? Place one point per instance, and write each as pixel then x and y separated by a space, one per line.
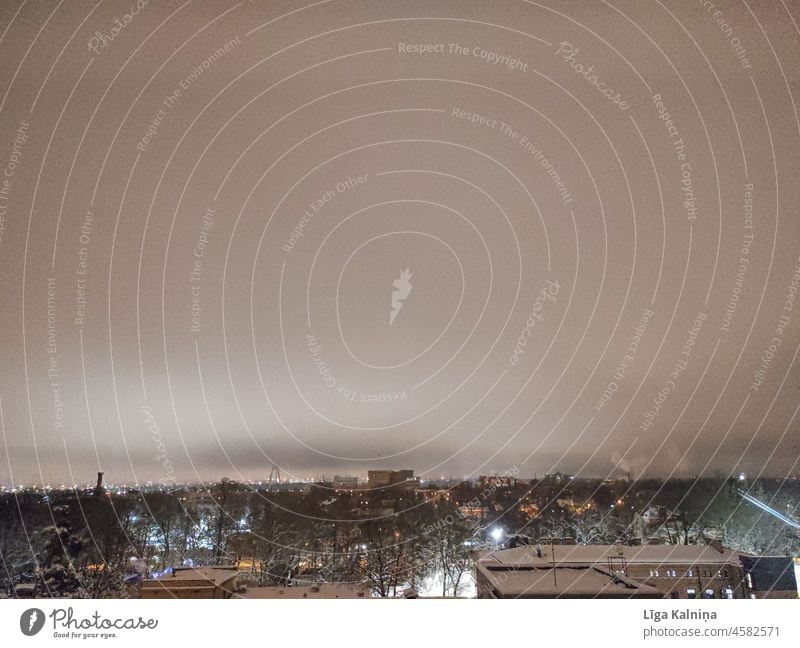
pixel 461 238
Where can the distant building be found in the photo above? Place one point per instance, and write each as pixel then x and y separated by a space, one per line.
pixel 653 515
pixel 656 523
pixel 290 487
pixel 498 481
pixel 676 571
pixel 568 503
pixel 193 583
pixel 379 478
pixel 474 511
pixel 345 482
pixel 396 478
pixel 557 478
pixel 433 494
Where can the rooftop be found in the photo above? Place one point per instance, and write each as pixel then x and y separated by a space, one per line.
pixel 317 591
pixel 544 555
pixel 561 581
pixel 192 582
pixel 203 575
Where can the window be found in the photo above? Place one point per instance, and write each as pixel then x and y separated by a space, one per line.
pixel 749 580
pixel 709 594
pixel 726 592
pixel 690 573
pixel 673 594
pixel 657 574
pixel 691 592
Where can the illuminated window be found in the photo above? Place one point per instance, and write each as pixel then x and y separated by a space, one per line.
pixel 691 592
pixel 689 573
pixel 726 592
pixel 709 594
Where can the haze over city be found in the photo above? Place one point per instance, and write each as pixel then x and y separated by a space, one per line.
pixel 398 236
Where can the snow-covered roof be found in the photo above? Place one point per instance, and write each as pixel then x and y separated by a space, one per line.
pixel 593 554
pixel 565 581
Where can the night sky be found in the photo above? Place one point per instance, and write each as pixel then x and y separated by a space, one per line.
pixel 457 237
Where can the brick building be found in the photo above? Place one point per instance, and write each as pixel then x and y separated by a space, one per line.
pixel 674 571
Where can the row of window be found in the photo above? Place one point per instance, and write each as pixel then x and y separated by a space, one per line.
pixel 673 573
pixel 691 592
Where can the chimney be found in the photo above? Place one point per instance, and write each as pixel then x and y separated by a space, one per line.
pixel 98 490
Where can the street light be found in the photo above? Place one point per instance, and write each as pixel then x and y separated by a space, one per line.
pixel 496 534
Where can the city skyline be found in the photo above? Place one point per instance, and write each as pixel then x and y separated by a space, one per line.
pixel 359 300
